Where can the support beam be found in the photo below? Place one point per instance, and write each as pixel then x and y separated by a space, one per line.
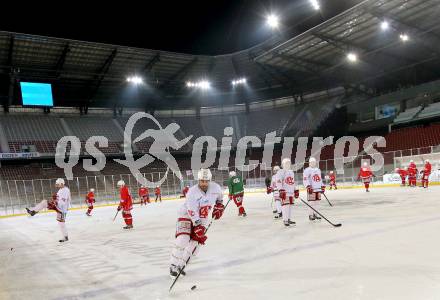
pixel 411 28
pixel 263 74
pixel 181 72
pixel 61 60
pixel 149 66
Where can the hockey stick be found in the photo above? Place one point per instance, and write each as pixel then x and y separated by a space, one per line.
pixel 192 253
pixel 117 212
pixel 335 225
pixel 327 200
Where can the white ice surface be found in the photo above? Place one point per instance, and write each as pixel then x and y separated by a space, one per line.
pixel 387 248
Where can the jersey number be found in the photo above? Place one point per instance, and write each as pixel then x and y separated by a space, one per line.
pixel 316 178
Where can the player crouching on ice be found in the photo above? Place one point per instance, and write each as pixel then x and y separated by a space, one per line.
pixel 285 184
pixel 365 174
pixel 193 217
pixel 90 199
pixel 60 203
pixel 315 187
pixel 126 204
pixel 402 173
pixel 273 188
pixel 236 192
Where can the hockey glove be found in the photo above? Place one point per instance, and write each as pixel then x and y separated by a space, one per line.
pixel 296 194
pixel 309 189
pixel 218 211
pixel 198 234
pixel 283 194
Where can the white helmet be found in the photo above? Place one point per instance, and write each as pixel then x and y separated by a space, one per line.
pixel 331 172
pixel 60 181
pixel 312 162
pixel 204 174
pixel 365 164
pixel 427 161
pixel 396 170
pixel 411 161
pixel 232 174
pixel 92 190
pixel 120 183
pixel 276 169
pixel 286 163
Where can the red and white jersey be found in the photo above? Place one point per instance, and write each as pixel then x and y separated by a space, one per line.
pixel 332 177
pixel 313 178
pixel 63 199
pixel 286 181
pixel 427 169
pixel 126 201
pixel 402 173
pixel 157 191
pixel 412 169
pixel 275 185
pixel 90 198
pixel 365 173
pixel 143 191
pixel 198 204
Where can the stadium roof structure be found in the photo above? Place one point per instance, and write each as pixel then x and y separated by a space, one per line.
pixel 94 74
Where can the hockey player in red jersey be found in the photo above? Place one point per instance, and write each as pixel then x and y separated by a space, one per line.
pixel 184 191
pixel 332 179
pixel 412 174
pixel 90 199
pixel 194 217
pixel 144 195
pixel 126 204
pixel 402 173
pixel 426 172
pixel 60 202
pixel 365 174
pixel 158 194
pixel 315 187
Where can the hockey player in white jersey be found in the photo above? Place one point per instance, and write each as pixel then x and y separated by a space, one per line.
pixel 315 186
pixel 193 217
pixel 276 194
pixel 285 180
pixel 60 203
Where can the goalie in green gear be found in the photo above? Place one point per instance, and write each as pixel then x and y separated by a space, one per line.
pixel 236 191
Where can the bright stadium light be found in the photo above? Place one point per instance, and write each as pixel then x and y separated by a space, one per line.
pixel 404 37
pixel 315 4
pixel 203 84
pixel 238 81
pixel 384 25
pixel 352 57
pixel 135 80
pixel 273 21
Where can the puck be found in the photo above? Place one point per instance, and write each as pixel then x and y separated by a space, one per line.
pixel 193 287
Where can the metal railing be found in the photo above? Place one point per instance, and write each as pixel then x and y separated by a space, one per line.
pixel 15 195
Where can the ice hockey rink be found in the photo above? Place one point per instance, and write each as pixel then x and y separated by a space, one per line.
pixel 387 248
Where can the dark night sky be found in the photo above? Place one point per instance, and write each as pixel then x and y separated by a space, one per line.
pixel 206 27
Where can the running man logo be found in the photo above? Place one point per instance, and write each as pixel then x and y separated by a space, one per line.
pixel 164 140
